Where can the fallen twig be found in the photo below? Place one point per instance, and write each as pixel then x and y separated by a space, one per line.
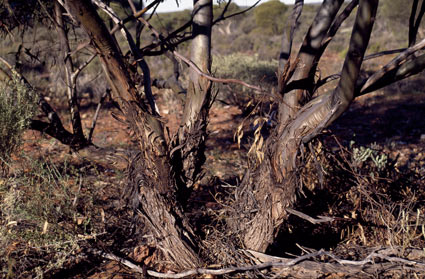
pixel 320 219
pixel 276 262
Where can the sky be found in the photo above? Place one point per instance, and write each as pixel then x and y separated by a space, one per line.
pixel 170 5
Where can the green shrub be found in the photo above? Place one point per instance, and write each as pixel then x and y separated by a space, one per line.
pixel 270 17
pixel 248 68
pixel 18 104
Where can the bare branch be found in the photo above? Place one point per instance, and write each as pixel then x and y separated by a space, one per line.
pixel 396 62
pixel 192 65
pixel 382 53
pixel 221 80
pixel 321 219
pixel 135 51
pixel 174 38
pixel 406 69
pixel 288 35
pixel 415 23
pixel 120 24
pixel 276 262
pixel 223 17
pixel 338 22
pixel 96 114
pixel 82 66
pixel 70 79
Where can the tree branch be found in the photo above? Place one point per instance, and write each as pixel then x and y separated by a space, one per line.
pixel 192 65
pixel 222 17
pixel 406 69
pixel 393 64
pixel 288 36
pixel 337 23
pixel 135 51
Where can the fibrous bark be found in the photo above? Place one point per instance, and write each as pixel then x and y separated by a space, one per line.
pixel 150 179
pixel 189 145
pixel 267 190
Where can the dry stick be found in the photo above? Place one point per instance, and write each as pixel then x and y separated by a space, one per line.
pixel 282 263
pixel 82 66
pixel 221 80
pixel 70 82
pixel 195 67
pixel 96 114
pixel 321 219
pixel 134 16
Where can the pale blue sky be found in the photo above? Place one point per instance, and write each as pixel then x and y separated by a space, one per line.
pixel 170 5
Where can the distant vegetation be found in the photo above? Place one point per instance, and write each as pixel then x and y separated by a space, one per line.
pixel 266 15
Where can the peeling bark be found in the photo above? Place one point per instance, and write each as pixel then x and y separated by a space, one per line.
pixel 152 189
pixel 190 142
pixel 272 187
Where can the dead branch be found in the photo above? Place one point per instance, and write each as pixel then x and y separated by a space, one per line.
pixel 96 114
pixel 320 264
pixel 134 16
pixel 338 22
pixel 287 40
pixel 320 219
pixel 382 53
pixel 215 79
pixel 185 37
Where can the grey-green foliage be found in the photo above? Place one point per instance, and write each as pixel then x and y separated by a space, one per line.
pixel 362 154
pixel 270 17
pixel 248 68
pixel 18 105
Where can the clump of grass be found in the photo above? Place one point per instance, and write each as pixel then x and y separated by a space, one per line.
pixel 382 202
pixel 47 214
pixel 18 104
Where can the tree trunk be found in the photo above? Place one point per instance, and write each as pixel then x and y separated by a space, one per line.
pixel 268 190
pixel 190 143
pixel 151 185
pixel 300 86
pixel 71 87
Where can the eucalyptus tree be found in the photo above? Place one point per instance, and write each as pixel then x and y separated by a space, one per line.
pixel 164 170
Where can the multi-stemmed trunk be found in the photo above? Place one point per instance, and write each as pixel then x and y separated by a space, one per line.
pixel 188 155
pixel 270 188
pixel 161 174
pixel 151 182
